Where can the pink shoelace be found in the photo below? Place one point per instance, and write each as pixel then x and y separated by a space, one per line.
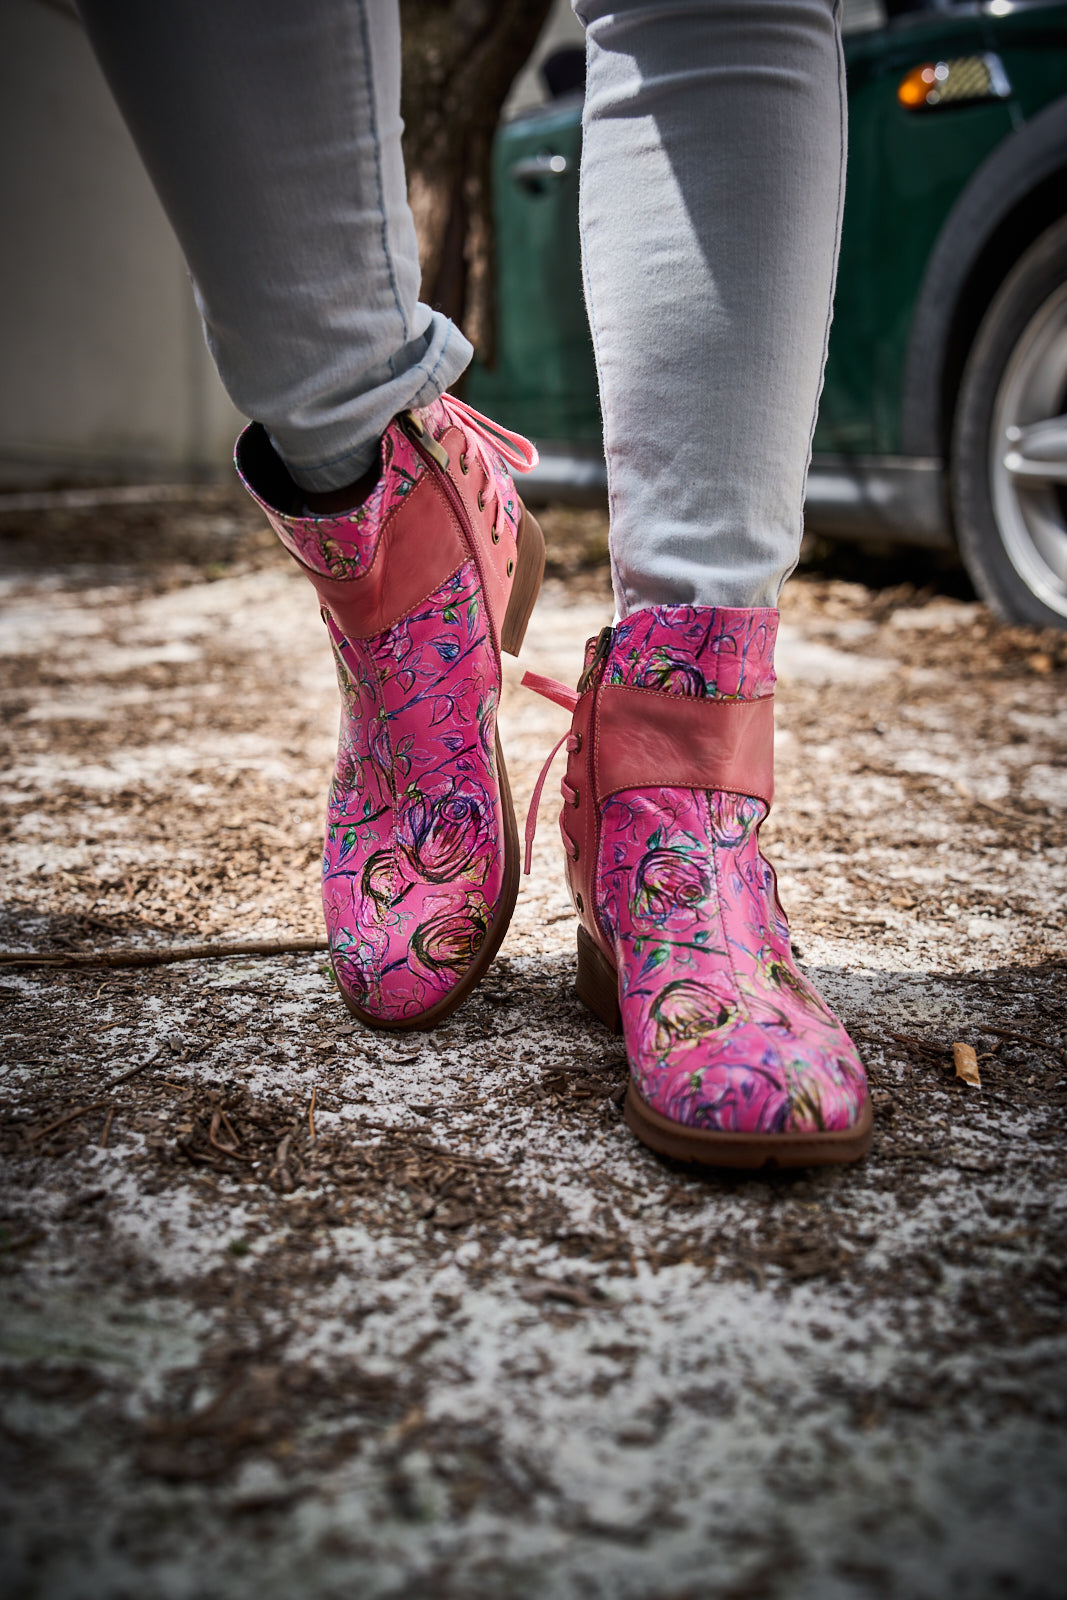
pixel 518 452
pixel 488 438
pixel 561 695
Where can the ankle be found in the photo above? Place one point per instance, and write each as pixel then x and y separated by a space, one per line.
pixel 333 502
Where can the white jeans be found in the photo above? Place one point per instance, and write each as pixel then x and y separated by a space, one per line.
pixel 712 179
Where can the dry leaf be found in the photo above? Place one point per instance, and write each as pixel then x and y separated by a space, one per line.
pixel 966 1063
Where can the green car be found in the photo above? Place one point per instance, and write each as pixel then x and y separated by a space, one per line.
pixel 943 419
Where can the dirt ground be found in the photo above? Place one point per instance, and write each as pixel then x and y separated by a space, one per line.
pixel 291 1308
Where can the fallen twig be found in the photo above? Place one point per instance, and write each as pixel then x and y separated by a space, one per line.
pixel 218 1117
pixel 89 499
pixel 920 1045
pixel 311 1110
pixel 280 1168
pixel 130 957
pixel 23 1242
pixel 454 1156
pixel 131 1072
pixel 987 805
pixel 401 1430
pixel 70 1116
pixel 109 1119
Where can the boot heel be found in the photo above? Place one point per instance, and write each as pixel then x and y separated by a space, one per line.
pixel 529 570
pixel 597 983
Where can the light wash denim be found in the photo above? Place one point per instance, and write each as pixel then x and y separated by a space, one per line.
pixel 711 192
pixel 712 179
pixel 271 130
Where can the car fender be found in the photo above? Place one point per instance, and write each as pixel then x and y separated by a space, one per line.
pixel 947 313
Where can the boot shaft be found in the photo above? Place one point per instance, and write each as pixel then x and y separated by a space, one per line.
pixel 672 698
pixel 444 497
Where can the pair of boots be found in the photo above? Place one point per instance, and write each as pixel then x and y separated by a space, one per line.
pixel 682 942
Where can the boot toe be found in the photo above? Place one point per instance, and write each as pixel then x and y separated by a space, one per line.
pixel 404 971
pixel 753 1078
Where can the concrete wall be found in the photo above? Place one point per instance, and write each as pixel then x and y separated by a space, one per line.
pixel 105 371
pixel 561 28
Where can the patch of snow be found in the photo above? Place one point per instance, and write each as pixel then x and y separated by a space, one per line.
pixel 941 617
pixel 806 661
pixel 1048 784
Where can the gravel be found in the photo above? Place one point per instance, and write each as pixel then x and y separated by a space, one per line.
pixel 298 1308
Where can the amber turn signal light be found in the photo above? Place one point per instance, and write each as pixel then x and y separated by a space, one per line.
pixel 916 89
pixel 942 83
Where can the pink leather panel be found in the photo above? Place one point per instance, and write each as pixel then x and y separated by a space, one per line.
pixel 645 739
pixel 424 547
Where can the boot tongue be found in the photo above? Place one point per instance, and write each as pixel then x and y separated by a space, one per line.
pixel 705 652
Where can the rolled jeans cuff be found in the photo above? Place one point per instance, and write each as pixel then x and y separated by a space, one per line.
pixel 330 446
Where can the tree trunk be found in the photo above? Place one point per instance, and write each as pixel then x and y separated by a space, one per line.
pixel 460 58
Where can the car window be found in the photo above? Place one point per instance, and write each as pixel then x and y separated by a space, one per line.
pixel 864 16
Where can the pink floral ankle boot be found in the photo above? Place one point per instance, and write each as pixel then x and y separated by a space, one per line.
pixel 421 587
pixel 736 1060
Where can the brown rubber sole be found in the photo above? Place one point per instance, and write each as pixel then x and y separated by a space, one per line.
pixel 597 987
pixel 751 1150
pixel 529 570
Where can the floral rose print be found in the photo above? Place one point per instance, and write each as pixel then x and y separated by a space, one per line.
pixel 669 888
pixel 449 941
pixel 378 881
pixel 448 837
pixel 413 861
pixel 686 1011
pixel 722 1030
pixel 696 650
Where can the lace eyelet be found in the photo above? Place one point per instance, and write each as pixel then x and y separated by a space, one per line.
pixel 495 534
pixel 511 568
pixel 464 465
pixel 481 500
pixel 577 742
pixel 574 802
pixel 578 903
pixel 574 853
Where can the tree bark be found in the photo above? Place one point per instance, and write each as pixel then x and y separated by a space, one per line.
pixel 460 58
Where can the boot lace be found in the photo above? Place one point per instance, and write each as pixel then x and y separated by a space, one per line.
pixel 493 444
pixel 561 695
pixel 518 452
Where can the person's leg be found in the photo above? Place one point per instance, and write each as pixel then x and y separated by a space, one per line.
pixel 711 192
pixel 711 199
pixel 271 131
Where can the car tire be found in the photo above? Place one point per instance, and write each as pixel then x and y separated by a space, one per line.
pixel 1009 444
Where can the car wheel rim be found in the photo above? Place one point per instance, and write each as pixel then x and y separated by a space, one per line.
pixel 1028 455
